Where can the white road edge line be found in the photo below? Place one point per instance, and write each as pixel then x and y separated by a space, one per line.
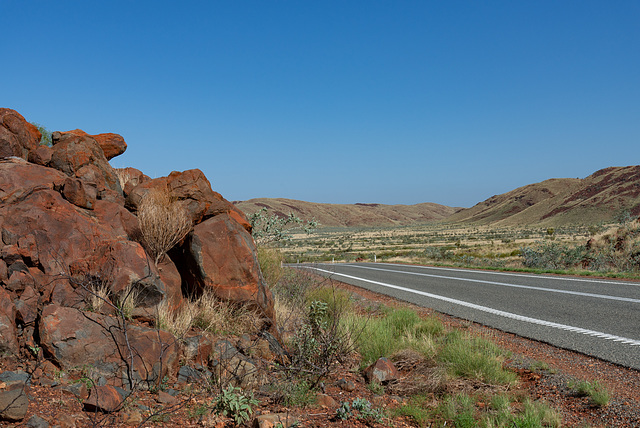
pixel 510 315
pixel 556 278
pixel 504 284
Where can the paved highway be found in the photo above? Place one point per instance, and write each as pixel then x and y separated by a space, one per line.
pixel 593 316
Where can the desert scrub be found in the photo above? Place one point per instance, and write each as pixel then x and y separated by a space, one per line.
pixel 474 358
pixel 163 222
pixel 45 134
pixel 552 255
pixel 275 229
pixel 361 409
pixel 233 403
pixel 270 260
pixel 207 313
pixel 597 393
pixel 396 329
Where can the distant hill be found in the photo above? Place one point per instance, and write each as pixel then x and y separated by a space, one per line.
pixel 351 214
pixel 598 197
pixel 554 202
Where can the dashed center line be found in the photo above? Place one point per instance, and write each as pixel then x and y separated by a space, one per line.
pixel 486 309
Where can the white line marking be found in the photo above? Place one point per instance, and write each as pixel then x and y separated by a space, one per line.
pixel 504 284
pixel 558 278
pixel 510 315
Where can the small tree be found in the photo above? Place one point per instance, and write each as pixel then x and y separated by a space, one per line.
pixel 272 228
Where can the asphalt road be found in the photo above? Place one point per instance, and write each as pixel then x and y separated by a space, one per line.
pixel 593 316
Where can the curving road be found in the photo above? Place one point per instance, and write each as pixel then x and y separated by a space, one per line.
pixel 593 316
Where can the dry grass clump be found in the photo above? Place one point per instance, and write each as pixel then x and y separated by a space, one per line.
pixel 123 175
pixel 128 300
pixel 163 222
pixel 98 296
pixel 423 375
pixel 208 313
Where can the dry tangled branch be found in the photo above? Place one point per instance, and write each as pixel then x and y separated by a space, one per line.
pixel 163 222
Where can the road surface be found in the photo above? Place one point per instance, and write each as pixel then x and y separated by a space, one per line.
pixel 593 316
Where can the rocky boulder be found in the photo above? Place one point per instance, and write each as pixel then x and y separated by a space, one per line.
pixel 111 144
pixel 121 353
pixel 17 136
pixel 193 188
pixel 43 230
pixel 77 154
pixel 220 255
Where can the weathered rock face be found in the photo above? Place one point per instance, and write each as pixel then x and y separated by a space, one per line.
pixel 66 235
pixel 73 338
pixel 111 144
pixel 8 338
pixel 220 255
pixel 17 136
pixel 194 189
pixel 79 155
pixel 42 229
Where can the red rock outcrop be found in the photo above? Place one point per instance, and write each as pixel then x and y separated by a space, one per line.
pixel 65 233
pixel 17 136
pixel 73 338
pixel 192 187
pixel 77 154
pixel 220 255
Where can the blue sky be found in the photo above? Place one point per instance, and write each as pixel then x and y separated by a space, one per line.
pixel 395 102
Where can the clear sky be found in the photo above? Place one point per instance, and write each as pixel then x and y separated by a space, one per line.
pixel 394 102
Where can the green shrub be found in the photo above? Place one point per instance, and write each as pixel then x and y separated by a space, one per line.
pixel 234 404
pixel 270 260
pixel 45 138
pixel 597 392
pixel 361 409
pixel 474 358
pixel 537 415
pixel 415 408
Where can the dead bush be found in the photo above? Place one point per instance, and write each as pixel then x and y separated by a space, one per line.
pixel 163 222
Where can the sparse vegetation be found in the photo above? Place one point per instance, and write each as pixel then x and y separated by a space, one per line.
pixel 45 138
pixel 207 313
pixel 232 402
pixel 273 228
pixel 163 222
pixel 597 393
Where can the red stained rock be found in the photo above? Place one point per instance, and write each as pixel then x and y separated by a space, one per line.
pixel 78 155
pixel 172 281
pixel 80 193
pixel 74 337
pixel 41 155
pixel 122 222
pixel 3 271
pixel 112 144
pixel 221 256
pixel 382 370
pixel 8 337
pixel 131 178
pixel 104 399
pixel 192 187
pixel 121 264
pixel 17 136
pixel 27 306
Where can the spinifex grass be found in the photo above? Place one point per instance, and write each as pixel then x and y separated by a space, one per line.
pixel 597 392
pixel 474 357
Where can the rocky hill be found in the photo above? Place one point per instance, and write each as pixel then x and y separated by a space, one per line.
pixel 554 202
pixel 596 198
pixel 341 215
